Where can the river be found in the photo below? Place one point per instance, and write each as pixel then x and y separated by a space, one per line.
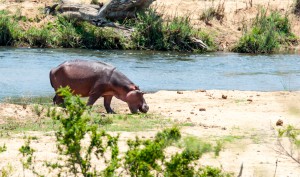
pixel 25 72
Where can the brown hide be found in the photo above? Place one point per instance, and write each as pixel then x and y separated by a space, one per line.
pixel 95 79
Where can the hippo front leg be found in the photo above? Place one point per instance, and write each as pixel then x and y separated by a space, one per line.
pixel 107 101
pixel 58 100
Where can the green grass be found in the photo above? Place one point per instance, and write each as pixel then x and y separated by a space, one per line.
pixel 231 138
pixel 28 100
pixel 13 126
pixel 9 30
pixel 175 34
pixel 115 122
pixel 192 143
pixel 135 123
pixel 268 34
pixel 150 32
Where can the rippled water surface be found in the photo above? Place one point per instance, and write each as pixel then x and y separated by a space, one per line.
pixel 25 72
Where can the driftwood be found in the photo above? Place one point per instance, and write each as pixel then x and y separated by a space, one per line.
pixel 105 14
pixel 111 11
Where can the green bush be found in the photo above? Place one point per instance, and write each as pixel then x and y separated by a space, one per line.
pixel 268 33
pixel 38 37
pixel 67 34
pixel 99 38
pixel 8 29
pixel 148 32
pixel 177 34
pixel 79 140
pixel 3 148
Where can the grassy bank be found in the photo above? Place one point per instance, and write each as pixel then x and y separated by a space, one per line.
pixel 268 33
pixel 150 32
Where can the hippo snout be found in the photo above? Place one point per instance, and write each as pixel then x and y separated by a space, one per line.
pixel 144 108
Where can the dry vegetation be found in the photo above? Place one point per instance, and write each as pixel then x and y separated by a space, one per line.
pixel 225 20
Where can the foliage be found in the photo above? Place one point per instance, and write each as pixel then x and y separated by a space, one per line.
pixel 139 161
pixel 148 30
pixel 73 130
pixel 293 149
pixel 3 148
pixel 178 33
pixel 6 171
pixel 175 34
pixel 37 37
pixel 27 153
pixel 99 38
pixel 8 29
pixel 81 143
pixel 67 34
pixel 267 34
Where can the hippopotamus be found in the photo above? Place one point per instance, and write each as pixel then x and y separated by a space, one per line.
pixel 94 79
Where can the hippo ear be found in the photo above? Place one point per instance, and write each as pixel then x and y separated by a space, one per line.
pixel 140 92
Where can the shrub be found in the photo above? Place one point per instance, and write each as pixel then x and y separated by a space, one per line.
pixel 267 34
pixel 81 143
pixel 292 149
pixel 8 29
pixel 148 30
pixel 177 34
pixel 99 38
pixel 67 35
pixel 3 148
pixel 38 37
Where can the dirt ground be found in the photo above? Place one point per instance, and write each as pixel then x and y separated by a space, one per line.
pixel 238 14
pixel 249 118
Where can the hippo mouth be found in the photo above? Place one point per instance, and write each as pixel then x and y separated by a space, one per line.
pixel 144 108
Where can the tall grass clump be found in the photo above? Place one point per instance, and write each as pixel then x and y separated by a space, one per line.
pixel 38 37
pixel 148 32
pixel 9 29
pixel 67 36
pixel 268 33
pixel 99 38
pixel 177 34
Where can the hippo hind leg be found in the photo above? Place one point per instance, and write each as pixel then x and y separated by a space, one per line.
pixel 107 101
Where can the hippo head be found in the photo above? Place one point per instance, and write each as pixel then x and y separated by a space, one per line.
pixel 136 101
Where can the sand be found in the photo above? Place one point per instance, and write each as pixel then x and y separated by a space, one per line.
pixel 248 117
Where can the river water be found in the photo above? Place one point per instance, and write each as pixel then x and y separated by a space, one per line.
pixel 25 72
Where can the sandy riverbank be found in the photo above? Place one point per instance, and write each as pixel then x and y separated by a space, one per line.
pixel 248 117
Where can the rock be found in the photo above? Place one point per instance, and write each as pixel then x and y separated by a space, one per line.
pixel 250 100
pixel 200 91
pixel 179 92
pixel 202 109
pixel 279 122
pixel 178 110
pixel 224 97
pixel 192 112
